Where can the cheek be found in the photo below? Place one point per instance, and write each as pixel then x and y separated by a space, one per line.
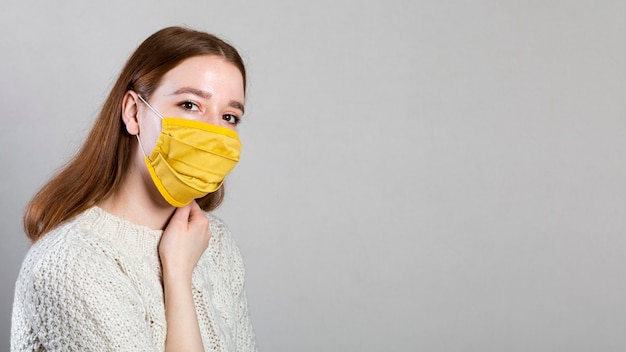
pixel 149 134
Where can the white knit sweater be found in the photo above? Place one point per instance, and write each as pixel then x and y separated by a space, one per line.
pixel 95 284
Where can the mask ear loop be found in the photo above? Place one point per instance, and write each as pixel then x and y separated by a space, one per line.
pixel 150 106
pixel 153 110
pixel 141 146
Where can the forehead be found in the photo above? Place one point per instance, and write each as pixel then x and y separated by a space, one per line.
pixel 206 72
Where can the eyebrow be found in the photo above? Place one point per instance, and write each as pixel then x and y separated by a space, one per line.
pixel 237 105
pixel 207 95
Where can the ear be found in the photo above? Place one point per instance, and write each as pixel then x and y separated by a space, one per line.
pixel 130 109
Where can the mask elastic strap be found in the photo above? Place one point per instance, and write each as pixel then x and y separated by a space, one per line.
pixel 140 145
pixel 153 110
pixel 150 106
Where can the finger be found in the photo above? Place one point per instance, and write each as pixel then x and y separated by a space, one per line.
pixel 196 215
pixel 194 211
pixel 182 214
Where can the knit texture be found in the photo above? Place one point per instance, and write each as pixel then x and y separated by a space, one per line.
pixel 95 284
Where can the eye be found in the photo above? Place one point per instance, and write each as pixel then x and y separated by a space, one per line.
pixel 190 106
pixel 230 118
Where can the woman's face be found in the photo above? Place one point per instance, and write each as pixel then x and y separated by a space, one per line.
pixel 203 88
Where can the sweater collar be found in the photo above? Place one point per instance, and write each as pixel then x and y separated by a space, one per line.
pixel 121 230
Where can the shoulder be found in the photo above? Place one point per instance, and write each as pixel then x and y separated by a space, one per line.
pixel 71 291
pixel 59 245
pixel 223 255
pixel 221 237
pixel 54 269
pixel 64 254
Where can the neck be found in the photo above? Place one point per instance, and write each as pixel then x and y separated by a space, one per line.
pixel 137 200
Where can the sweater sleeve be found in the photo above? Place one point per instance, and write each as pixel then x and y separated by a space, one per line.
pixel 70 296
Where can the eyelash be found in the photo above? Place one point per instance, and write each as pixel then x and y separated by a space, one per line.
pixel 185 105
pixel 236 118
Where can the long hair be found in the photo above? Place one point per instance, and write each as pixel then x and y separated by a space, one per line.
pixel 99 166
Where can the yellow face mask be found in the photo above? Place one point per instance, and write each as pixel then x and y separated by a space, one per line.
pixel 190 158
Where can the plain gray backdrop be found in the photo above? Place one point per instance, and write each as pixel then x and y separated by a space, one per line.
pixel 416 175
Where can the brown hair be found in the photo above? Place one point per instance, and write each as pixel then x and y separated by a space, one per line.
pixel 99 166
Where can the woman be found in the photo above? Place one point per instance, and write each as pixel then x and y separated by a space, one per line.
pixel 126 256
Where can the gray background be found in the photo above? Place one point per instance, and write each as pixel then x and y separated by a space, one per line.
pixel 416 176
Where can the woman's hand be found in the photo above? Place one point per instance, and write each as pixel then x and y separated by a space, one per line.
pixel 184 240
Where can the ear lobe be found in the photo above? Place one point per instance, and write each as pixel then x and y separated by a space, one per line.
pixel 129 112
